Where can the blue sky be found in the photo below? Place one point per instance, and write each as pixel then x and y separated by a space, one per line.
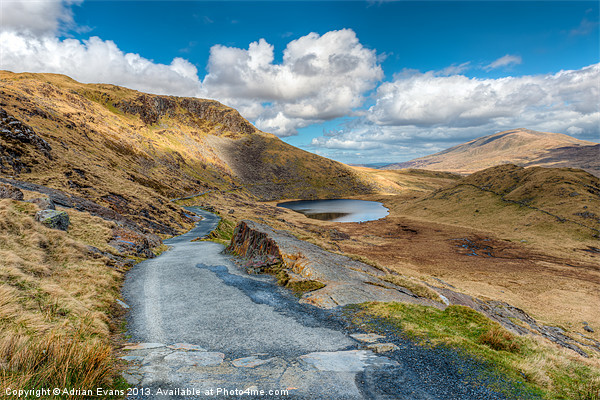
pixel 420 35
pixel 375 82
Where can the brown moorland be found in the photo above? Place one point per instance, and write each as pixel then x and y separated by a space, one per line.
pixel 55 327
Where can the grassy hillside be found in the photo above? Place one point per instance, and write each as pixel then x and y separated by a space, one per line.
pixel 131 151
pixel 406 180
pixel 54 302
pixel 524 236
pixel 522 147
pixel 547 206
pixel 538 225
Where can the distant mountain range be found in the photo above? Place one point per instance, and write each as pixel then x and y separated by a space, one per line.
pixel 522 147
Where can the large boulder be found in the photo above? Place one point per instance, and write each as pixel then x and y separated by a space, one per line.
pixel 44 203
pixel 53 219
pixel 10 192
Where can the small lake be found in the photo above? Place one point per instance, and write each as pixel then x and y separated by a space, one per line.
pixel 338 210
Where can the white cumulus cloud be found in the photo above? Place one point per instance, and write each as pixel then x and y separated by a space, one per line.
pixel 458 101
pixel 96 60
pixel 320 78
pixel 36 16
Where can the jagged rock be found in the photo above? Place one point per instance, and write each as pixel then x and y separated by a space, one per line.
pixel 112 261
pixel 18 142
pixel 151 108
pixel 53 219
pixel 10 192
pixel 587 328
pixel 44 203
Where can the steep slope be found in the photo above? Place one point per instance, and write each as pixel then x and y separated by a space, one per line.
pixel 131 151
pixel 522 147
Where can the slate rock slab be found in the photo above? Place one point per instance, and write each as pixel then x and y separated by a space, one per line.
pixel 143 346
pixel 367 337
pixel 249 362
pixel 344 361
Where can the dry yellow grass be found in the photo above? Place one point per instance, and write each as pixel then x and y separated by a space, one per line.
pixel 54 302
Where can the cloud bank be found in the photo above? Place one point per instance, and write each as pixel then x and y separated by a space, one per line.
pixel 414 111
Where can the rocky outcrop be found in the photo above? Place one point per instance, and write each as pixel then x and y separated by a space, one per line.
pixel 66 200
pixel 151 108
pixel 128 237
pixel 18 139
pixel 346 281
pixel 127 241
pixel 53 219
pixel 10 192
pixel 217 113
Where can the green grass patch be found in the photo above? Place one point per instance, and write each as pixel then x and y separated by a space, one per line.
pixel 545 369
pixel 223 233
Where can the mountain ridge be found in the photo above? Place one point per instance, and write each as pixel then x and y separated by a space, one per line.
pixel 522 147
pixel 132 152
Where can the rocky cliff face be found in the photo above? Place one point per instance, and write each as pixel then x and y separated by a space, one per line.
pixel 151 108
pixel 18 143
